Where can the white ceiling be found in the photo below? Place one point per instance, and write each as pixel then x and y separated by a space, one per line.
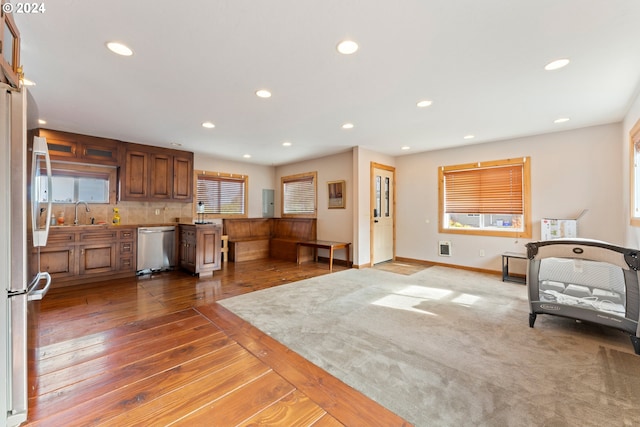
pixel 479 61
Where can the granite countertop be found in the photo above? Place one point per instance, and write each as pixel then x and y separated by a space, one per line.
pixel 98 226
pixel 105 226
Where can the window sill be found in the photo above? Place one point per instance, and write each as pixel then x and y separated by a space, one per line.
pixel 494 231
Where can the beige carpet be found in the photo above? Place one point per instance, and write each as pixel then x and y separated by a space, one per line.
pixel 447 347
pixel 399 267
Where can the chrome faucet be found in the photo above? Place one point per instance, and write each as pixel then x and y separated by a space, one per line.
pixel 75 220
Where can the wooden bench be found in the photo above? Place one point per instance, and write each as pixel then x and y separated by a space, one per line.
pixel 285 235
pixel 248 238
pixel 258 238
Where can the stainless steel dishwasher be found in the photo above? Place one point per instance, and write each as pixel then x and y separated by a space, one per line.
pixel 156 249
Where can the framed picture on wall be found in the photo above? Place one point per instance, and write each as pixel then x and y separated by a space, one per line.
pixel 337 191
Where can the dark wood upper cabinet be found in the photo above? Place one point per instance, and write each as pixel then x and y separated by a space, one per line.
pixel 153 173
pixel 161 176
pixel 135 176
pixel 69 146
pixel 183 177
pixel 9 49
pixel 147 173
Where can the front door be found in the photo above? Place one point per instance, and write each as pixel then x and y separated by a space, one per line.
pixel 383 222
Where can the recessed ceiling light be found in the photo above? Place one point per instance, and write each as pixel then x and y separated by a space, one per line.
pixel 208 125
pixel 42 122
pixel 469 136
pixel 263 93
pixel 425 103
pixel 119 48
pixel 28 82
pixel 347 47
pixel 557 64
pixel 347 126
pixel 406 147
pixel 247 156
pixel 286 144
pixel 176 144
pixel 561 120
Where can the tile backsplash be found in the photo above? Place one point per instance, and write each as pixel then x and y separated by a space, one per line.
pixel 130 212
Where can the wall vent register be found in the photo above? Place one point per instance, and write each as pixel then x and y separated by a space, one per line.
pixel 444 248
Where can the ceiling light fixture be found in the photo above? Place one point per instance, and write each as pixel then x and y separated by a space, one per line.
pixel 347 126
pixel 42 122
pixel 176 144
pixel 561 120
pixel 406 147
pixel 286 144
pixel 263 93
pixel 247 156
pixel 208 125
pixel 425 103
pixel 469 136
pixel 119 49
pixel 556 65
pixel 347 47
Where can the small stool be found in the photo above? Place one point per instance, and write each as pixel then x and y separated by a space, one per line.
pixel 506 277
pixel 225 248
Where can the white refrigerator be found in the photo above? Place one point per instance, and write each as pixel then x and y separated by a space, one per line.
pixel 17 287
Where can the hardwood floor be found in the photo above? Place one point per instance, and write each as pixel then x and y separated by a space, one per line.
pixel 157 350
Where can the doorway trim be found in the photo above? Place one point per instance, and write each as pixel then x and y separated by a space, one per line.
pixel 372 205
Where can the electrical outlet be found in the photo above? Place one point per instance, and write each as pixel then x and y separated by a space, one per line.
pixel 481 252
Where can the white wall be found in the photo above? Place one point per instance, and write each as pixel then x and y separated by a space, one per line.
pixel 332 224
pixel 570 171
pixel 260 177
pixel 632 234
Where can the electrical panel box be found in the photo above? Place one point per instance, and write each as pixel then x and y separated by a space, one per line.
pixel 267 203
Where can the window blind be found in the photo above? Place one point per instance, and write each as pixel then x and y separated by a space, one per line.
pixel 299 195
pixel 492 190
pixel 221 195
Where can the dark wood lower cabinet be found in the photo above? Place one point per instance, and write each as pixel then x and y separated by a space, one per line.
pixel 59 261
pixel 97 258
pixel 85 253
pixel 200 248
pixel 187 248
